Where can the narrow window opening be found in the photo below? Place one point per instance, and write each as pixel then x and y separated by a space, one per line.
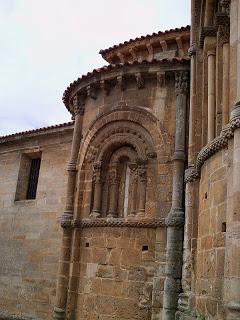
pixel 205 195
pixel 33 179
pixel 87 244
pixel 145 248
pixel 224 227
pixel 28 175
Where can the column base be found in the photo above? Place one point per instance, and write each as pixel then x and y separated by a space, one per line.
pixel 58 313
pixel 184 301
pixel 233 311
pixel 111 215
pixel 95 214
pixel 140 214
pixel 183 316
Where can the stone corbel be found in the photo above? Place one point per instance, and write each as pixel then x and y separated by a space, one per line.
pixel 92 91
pixel 121 82
pixel 150 51
pixel 105 86
pixel 121 57
pixel 180 46
pixel 164 45
pixel 161 79
pixel 140 80
pixel 133 54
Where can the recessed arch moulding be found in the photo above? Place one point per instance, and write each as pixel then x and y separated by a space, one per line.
pixel 132 136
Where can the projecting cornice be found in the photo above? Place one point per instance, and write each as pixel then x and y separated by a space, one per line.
pixel 149 47
pixel 108 77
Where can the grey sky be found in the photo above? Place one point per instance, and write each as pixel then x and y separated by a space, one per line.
pixel 46 44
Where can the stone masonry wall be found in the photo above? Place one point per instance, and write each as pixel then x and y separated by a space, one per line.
pixel 211 236
pixel 118 270
pixel 29 229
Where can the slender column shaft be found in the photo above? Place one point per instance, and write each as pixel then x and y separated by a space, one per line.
pixel 97 199
pixel 134 178
pixel 225 87
pixel 142 174
pixel 63 270
pixel 184 300
pixel 113 191
pixel 211 95
pixel 175 219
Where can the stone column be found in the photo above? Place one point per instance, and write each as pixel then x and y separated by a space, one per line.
pixel 134 178
pixel 113 191
pixel 97 198
pixel 211 94
pixel 225 85
pixel 63 270
pixel 142 175
pixel 190 175
pixel 175 219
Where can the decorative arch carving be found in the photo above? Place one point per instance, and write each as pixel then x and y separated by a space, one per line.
pixel 117 147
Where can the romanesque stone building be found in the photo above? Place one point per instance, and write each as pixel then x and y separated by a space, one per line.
pixel 132 210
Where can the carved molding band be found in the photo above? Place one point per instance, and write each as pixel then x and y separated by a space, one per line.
pixel 118 222
pixel 217 144
pixel 191 174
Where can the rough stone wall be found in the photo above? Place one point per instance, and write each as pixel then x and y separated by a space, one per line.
pixel 118 273
pixel 29 229
pixel 211 236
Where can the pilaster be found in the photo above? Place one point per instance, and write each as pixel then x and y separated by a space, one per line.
pixel 175 219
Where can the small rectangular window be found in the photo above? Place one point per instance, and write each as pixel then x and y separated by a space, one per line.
pixel 28 176
pixel 33 179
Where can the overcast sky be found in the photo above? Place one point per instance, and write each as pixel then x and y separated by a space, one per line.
pixel 46 44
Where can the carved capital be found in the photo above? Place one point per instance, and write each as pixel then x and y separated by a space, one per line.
pixel 223 34
pixel 97 172
pixel 181 82
pixel 142 170
pixel 113 177
pixel 140 80
pixel 78 104
pixel 225 6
